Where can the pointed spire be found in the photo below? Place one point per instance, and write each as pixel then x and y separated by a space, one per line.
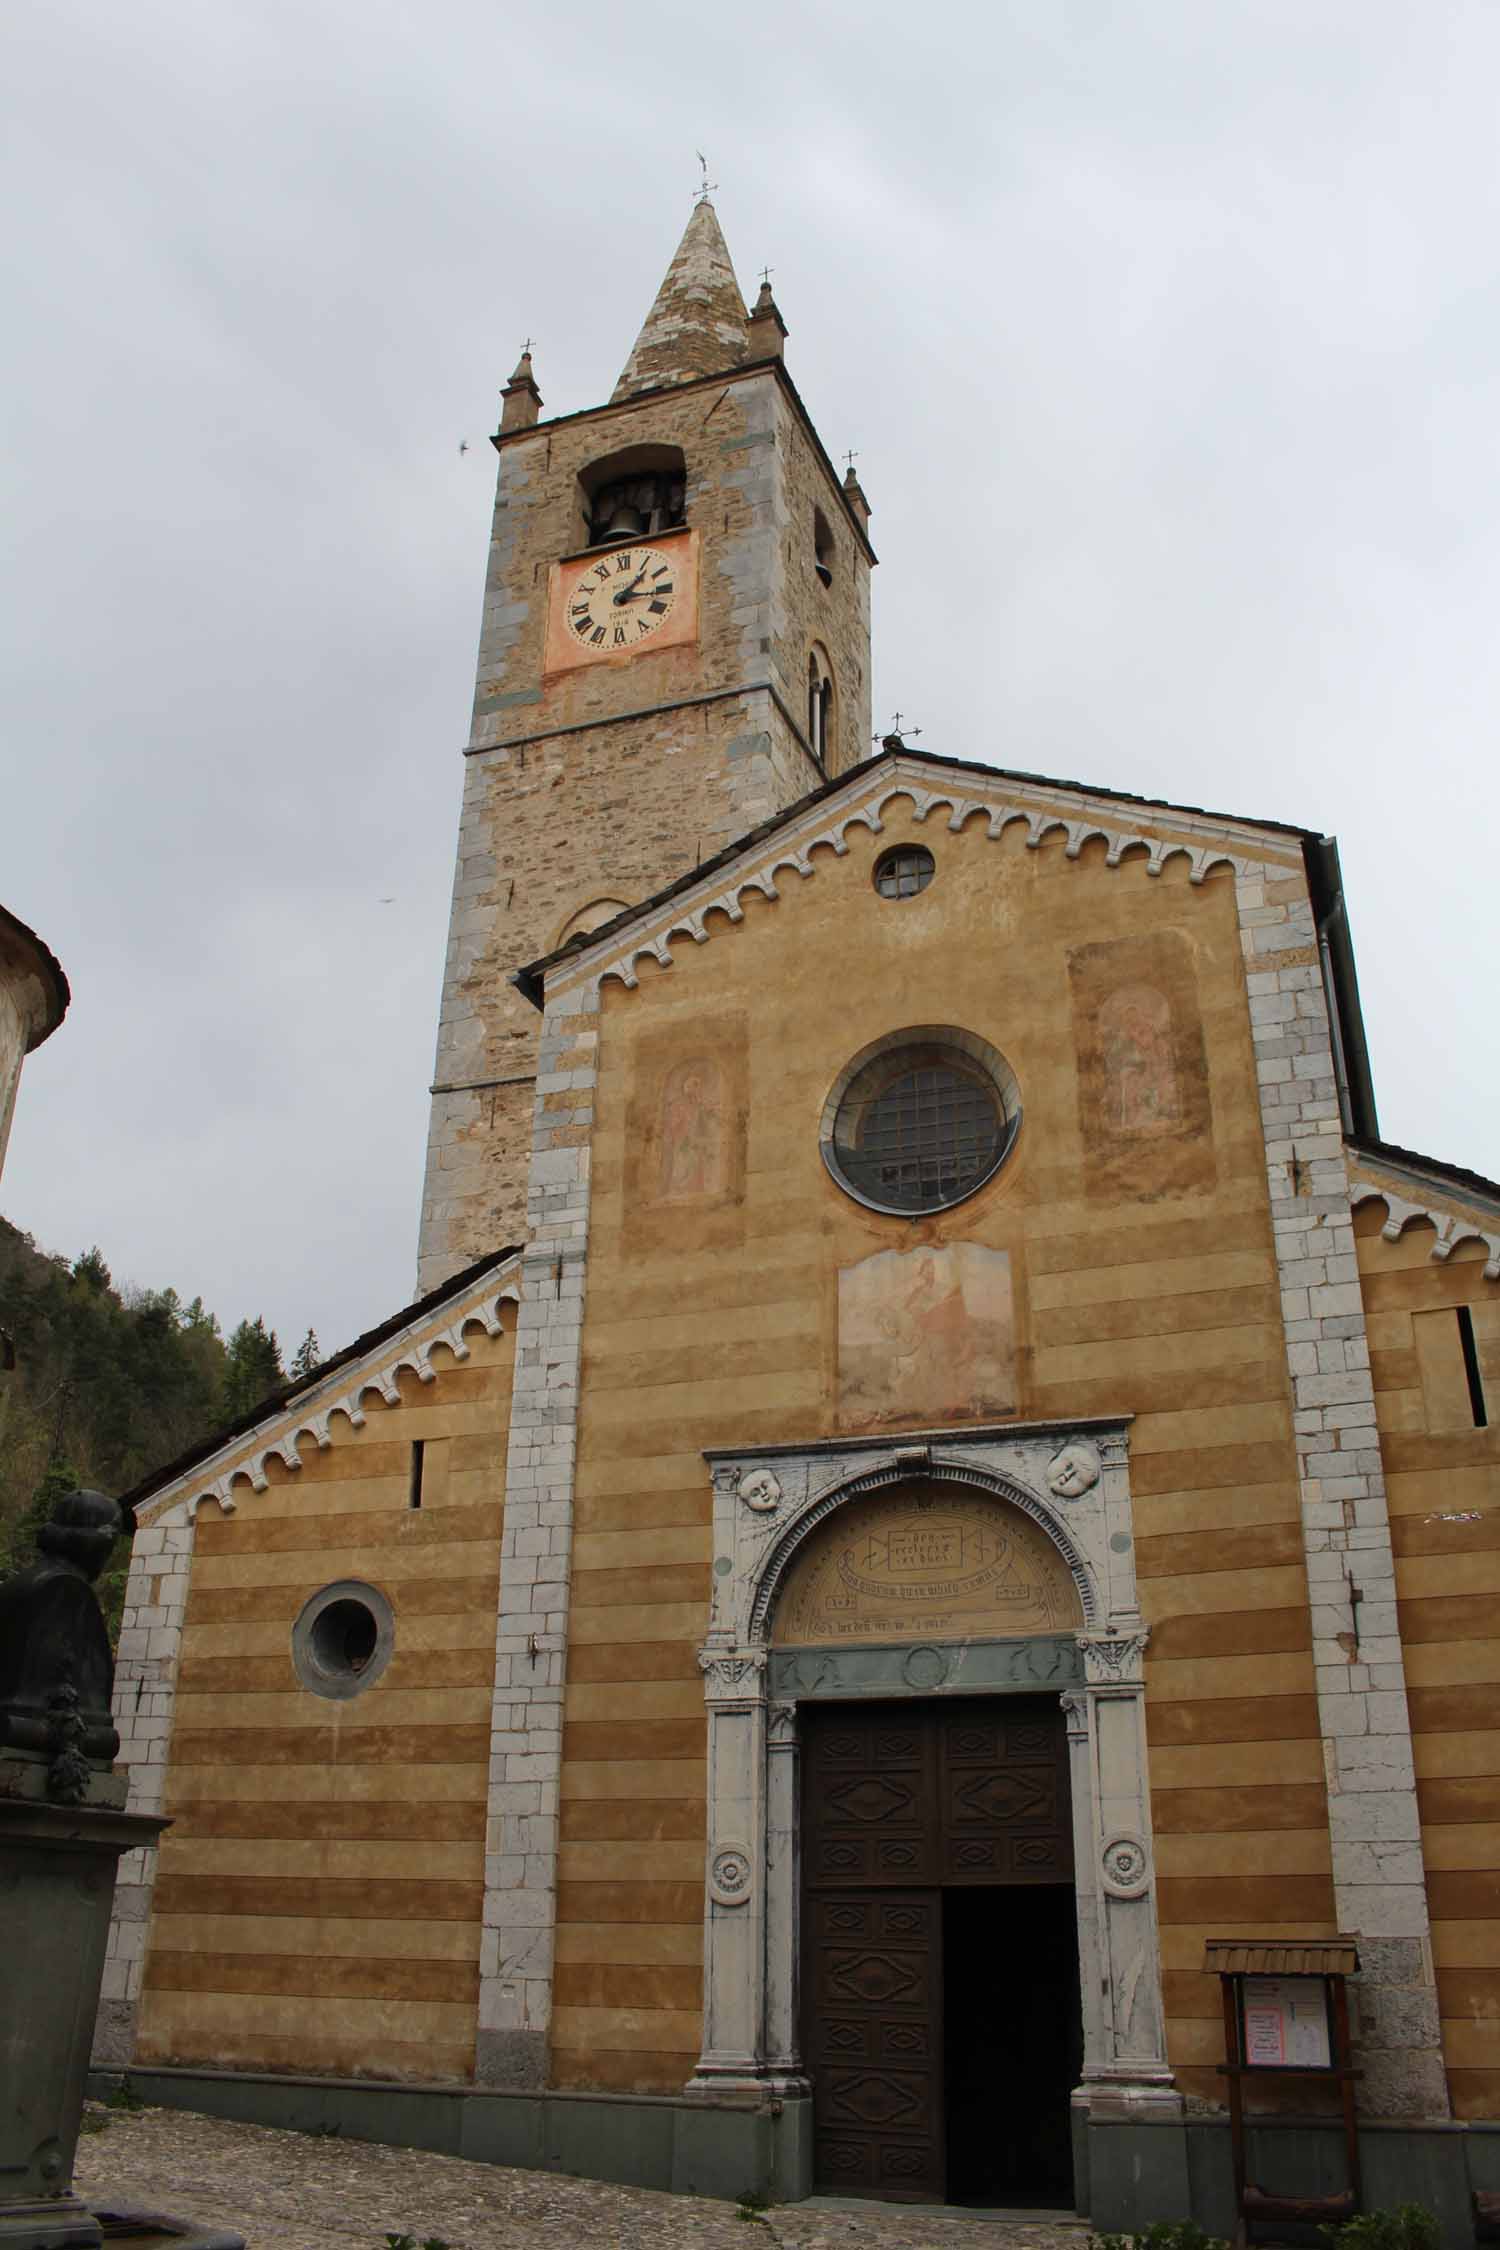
pixel 767 330
pixel 698 323
pixel 521 401
pixel 854 492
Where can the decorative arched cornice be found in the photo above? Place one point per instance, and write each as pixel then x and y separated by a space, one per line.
pixel 689 917
pixel 1451 1227
pixel 310 1419
pixel 952 1470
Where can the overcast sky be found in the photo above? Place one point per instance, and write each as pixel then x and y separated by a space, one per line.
pixel 1175 325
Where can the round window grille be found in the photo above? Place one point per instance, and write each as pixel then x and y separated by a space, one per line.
pixel 342 1641
pixel 904 870
pixel 920 1120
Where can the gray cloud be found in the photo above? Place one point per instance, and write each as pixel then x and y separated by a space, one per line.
pixel 1167 337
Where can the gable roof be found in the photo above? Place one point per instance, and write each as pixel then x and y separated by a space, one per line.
pixel 530 980
pixel 273 1404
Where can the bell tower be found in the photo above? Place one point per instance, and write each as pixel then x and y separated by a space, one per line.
pixel 675 645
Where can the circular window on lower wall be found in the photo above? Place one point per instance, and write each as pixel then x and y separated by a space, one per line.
pixel 343 1639
pixel 920 1119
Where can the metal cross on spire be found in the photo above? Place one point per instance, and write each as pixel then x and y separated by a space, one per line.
pixel 849 461
pixel 895 734
pixel 706 187
pixel 765 274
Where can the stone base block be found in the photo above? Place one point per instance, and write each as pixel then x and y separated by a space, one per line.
pixel 56 2223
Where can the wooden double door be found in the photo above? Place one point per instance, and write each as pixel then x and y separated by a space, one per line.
pixel 928 2010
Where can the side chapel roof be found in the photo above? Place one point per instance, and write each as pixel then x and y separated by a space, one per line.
pixel 266 1409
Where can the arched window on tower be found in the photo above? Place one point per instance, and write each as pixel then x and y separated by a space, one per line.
pixel 820 705
pixel 633 494
pixel 822 547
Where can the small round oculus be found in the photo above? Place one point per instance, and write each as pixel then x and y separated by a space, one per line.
pixel 622 599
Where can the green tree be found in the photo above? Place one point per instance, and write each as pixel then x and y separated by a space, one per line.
pixel 308 1360
pixel 109 1383
pixel 252 1368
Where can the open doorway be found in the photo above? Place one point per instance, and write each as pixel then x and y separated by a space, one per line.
pixel 1013 2043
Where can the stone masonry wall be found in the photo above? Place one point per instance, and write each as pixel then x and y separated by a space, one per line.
pixel 836 616
pixel 612 780
pixel 1374 1830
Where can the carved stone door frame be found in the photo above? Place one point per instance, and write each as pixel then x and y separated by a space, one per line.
pixel 1072 1479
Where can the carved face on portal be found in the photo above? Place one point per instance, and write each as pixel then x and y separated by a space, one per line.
pixel 1073 1472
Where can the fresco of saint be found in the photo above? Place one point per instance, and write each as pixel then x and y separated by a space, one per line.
pixel 1140 1070
pixel 693 1156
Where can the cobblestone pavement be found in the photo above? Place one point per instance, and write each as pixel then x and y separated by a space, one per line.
pixel 295 2191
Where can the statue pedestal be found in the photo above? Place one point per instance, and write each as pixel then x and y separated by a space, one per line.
pixel 57 1884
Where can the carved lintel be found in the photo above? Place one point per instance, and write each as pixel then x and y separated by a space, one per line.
pixel 1114 1659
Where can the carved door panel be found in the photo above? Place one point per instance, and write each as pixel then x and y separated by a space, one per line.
pixel 875 2042
pixel 1007 1812
pixel 871 1795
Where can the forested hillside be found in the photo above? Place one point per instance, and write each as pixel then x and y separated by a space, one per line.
pixel 108 1383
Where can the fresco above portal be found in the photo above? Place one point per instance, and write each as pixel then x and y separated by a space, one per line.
pixel 926 1335
pixel 925 1562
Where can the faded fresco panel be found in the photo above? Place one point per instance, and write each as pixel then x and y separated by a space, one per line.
pixel 925 1562
pixel 1144 1111
pixel 685 1150
pixel 926 1336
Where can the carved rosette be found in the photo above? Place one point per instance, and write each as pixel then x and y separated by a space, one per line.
pixel 1114 1659
pixel 729 1875
pixel 1125 1867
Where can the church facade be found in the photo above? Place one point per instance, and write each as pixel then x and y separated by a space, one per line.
pixel 940 1466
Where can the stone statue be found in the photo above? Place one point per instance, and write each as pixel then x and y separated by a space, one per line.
pixel 56 1671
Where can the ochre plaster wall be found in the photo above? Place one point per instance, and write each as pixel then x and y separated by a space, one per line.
pixel 1442 1476
pixel 1145 1286
pixel 318 1900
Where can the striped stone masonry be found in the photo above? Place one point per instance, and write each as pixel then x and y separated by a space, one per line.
pixel 145 1692
pixel 520 1876
pixel 1375 1837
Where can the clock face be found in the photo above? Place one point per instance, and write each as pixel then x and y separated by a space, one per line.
pixel 622 599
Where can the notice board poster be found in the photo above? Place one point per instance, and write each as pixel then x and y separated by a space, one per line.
pixel 1286 2023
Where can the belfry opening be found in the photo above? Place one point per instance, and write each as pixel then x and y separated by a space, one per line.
pixel 938 1956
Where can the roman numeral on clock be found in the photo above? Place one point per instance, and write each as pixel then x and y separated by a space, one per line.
pixel 596 638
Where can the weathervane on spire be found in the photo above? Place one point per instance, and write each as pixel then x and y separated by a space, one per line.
pixel 706 187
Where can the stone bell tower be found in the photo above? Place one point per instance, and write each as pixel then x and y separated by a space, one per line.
pixel 675 645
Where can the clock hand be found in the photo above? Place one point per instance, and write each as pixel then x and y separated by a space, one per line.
pixel 630 596
pixel 629 590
